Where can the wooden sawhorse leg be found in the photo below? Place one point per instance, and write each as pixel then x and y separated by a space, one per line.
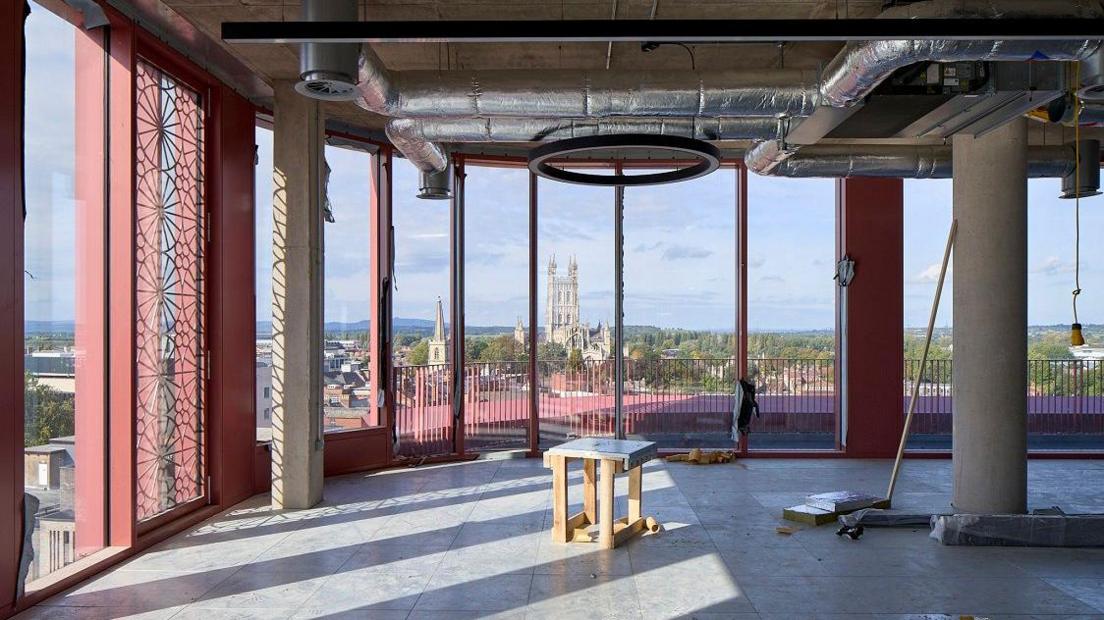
pixel 560 532
pixel 590 491
pixel 605 505
pixel 634 494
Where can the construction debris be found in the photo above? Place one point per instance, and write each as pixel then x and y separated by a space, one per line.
pixel 826 507
pixel 874 517
pixel 785 530
pixel 652 525
pixel 1033 530
pixel 842 501
pixel 698 456
pixel 808 514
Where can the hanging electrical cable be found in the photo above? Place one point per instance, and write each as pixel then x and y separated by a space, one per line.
pixel 1077 338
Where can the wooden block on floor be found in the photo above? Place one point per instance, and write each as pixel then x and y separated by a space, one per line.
pixel 807 514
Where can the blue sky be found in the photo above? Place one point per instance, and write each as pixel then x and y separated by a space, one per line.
pixel 679 239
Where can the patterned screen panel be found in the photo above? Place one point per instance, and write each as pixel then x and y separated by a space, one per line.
pixel 169 288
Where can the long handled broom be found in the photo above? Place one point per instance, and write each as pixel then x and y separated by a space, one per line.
pixel 923 362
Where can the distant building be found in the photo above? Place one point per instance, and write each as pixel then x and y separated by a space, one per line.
pixel 264 395
pixel 54 369
pixel 519 332
pixel 562 316
pixel 438 344
pixel 1088 354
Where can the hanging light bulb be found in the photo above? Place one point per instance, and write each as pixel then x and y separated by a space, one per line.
pixel 1077 339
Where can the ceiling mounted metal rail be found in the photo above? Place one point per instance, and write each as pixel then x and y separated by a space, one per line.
pixel 662 30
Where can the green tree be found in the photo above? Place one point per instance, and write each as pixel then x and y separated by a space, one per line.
pixel 419 355
pixel 47 413
pixel 551 351
pixel 575 360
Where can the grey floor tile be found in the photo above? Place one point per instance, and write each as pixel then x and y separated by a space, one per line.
pixel 95 613
pixel 702 584
pixel 192 612
pixel 580 595
pixel 1088 591
pixel 908 595
pixel 462 591
pixel 258 588
pixel 354 591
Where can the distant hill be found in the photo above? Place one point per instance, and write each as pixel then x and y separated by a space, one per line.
pixel 48 327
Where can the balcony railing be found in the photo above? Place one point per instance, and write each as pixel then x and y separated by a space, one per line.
pixel 1065 403
pixel 687 402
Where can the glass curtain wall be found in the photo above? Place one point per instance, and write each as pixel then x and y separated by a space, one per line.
pixel 263 260
pixel 348 400
pixel 1065 384
pixel 927 219
pixel 680 311
pixel 63 298
pixel 791 312
pixel 420 310
pixel 496 307
pixel 575 365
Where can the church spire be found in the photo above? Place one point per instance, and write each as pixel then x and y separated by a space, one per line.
pixel 439 325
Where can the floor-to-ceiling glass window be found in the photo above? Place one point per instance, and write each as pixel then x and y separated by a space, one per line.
pixel 347 398
pixel 420 323
pixel 680 311
pixel 576 308
pixel 169 247
pixel 496 307
pixel 1065 397
pixel 791 311
pixel 927 220
pixel 263 261
pixel 64 354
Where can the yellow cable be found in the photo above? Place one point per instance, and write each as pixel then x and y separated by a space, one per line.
pixel 1076 191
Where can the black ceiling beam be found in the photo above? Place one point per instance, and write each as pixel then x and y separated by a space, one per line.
pixel 660 30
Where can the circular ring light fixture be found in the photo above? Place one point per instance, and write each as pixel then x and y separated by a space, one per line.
pixel 709 158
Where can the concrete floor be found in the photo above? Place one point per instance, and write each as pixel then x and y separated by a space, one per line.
pixel 471 540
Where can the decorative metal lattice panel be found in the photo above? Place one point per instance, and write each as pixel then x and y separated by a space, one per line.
pixel 169 289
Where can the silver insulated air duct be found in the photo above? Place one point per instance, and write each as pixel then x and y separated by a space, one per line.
pixel 908 162
pixel 1083 180
pixel 860 67
pixel 328 71
pixel 417 138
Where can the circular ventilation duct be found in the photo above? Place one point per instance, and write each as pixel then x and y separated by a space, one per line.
pixel 436 185
pixel 708 158
pixel 1084 179
pixel 328 71
pixel 1092 78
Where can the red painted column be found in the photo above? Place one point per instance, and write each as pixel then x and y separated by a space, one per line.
pixel 231 312
pixel 90 501
pixel 11 298
pixel 122 447
pixel 870 316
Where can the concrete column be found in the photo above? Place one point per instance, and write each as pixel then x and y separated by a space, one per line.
pixel 298 141
pixel 990 321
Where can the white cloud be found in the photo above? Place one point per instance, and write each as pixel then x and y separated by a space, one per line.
pixel 1052 266
pixel 929 274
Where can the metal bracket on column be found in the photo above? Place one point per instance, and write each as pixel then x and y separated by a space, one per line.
pixel 845 271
